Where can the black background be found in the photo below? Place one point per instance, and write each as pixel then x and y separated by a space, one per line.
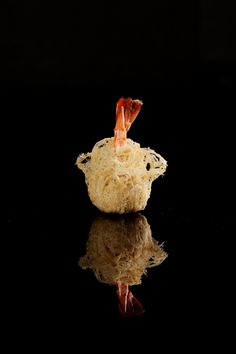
pixel 64 66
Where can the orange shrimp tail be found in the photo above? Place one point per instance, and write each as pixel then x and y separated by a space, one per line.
pixel 126 112
pixel 129 306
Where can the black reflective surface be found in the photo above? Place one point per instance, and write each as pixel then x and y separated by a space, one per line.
pixel 50 214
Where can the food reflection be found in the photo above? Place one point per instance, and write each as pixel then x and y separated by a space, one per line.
pixel 119 251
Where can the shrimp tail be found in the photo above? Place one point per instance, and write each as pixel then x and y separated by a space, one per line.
pixel 126 112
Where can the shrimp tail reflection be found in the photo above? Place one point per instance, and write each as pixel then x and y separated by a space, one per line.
pixel 129 306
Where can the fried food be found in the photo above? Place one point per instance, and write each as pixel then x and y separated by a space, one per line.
pixel 118 172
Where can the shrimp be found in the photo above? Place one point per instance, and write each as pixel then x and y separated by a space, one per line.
pixel 126 112
pixel 118 171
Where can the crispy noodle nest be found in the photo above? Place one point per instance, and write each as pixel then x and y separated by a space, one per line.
pixel 119 179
